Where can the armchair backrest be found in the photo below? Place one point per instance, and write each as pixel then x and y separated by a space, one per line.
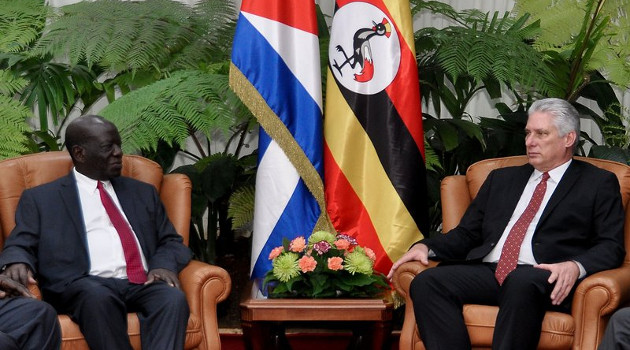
pixel 458 191
pixel 20 173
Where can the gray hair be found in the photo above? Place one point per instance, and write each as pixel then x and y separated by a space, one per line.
pixel 563 115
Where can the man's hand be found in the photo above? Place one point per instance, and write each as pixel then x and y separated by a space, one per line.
pixel 564 274
pixel 169 277
pixel 20 273
pixel 11 288
pixel 418 252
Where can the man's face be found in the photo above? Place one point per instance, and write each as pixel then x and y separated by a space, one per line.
pixel 100 155
pixel 546 149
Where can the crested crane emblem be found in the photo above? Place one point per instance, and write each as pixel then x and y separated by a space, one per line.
pixel 362 52
pixel 374 58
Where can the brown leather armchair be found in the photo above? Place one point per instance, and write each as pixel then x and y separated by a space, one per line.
pixel 204 285
pixel 596 297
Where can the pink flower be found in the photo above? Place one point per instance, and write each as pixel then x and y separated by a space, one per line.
pixel 297 245
pixel 307 263
pixel 334 263
pixel 370 253
pixel 342 244
pixel 276 252
pixel 321 247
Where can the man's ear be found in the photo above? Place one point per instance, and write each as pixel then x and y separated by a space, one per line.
pixel 78 153
pixel 571 139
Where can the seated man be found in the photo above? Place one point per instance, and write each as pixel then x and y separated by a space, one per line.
pixel 90 237
pixel 26 323
pixel 528 236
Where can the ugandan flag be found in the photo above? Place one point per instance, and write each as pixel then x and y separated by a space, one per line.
pixel 375 182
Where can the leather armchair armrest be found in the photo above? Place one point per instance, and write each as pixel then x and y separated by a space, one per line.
pixel 205 286
pixel 595 299
pixel 402 280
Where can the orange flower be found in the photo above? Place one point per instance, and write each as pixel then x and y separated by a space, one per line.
pixel 342 244
pixel 297 245
pixel 370 253
pixel 276 252
pixel 307 263
pixel 334 263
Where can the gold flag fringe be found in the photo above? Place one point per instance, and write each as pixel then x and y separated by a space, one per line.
pixel 281 135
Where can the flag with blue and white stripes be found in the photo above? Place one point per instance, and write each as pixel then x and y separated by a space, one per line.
pixel 275 70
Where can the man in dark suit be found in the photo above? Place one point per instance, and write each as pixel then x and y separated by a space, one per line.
pixel 526 239
pixel 25 322
pixel 101 246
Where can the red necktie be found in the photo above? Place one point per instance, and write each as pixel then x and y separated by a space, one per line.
pixel 135 271
pixel 512 247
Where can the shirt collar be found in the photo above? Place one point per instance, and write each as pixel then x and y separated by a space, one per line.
pixel 555 174
pixel 86 183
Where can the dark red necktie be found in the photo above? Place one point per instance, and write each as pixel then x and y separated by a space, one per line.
pixel 135 271
pixel 512 247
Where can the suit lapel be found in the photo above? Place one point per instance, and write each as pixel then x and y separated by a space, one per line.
pixel 569 178
pixel 510 198
pixel 125 197
pixel 70 197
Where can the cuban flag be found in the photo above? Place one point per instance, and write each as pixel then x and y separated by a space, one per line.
pixel 275 70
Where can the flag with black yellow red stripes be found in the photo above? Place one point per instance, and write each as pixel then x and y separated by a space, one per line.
pixel 373 139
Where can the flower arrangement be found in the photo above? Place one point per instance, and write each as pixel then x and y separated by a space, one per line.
pixel 327 266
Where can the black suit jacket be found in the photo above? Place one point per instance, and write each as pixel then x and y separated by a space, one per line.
pixel 583 220
pixel 50 234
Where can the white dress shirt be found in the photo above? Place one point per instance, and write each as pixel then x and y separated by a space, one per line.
pixel 107 258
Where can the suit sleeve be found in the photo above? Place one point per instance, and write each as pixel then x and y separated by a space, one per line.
pixel 170 252
pixel 457 243
pixel 606 247
pixel 21 245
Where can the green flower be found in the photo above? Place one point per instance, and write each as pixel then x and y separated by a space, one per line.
pixel 286 267
pixel 357 261
pixel 321 236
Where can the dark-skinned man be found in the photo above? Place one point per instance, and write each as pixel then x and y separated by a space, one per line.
pixel 101 245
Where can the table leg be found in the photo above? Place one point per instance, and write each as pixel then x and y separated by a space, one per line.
pixel 371 335
pixel 265 336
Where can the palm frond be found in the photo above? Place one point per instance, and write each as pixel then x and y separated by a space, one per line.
pixel 241 208
pixel 12 127
pixel 171 108
pixel 119 35
pixel 21 23
pixel 10 84
pixel 489 48
pixel 579 31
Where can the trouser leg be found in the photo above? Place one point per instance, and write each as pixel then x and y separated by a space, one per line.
pixel 163 312
pixel 438 296
pixel 523 300
pixel 617 334
pixel 28 324
pixel 96 304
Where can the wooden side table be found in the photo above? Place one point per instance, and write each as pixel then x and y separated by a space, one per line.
pixel 264 320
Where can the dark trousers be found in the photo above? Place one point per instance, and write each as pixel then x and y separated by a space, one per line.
pixel 100 306
pixel 617 335
pixel 439 294
pixel 28 324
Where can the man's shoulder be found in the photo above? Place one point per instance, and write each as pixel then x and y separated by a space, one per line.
pixel 54 184
pixel 129 182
